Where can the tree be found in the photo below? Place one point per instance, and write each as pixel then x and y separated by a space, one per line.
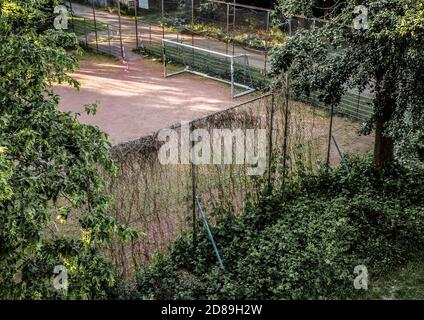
pixel 53 207
pixel 385 56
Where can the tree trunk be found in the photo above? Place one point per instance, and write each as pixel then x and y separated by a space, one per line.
pixel 383 148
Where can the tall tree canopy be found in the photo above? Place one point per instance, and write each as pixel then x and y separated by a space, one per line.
pixel 385 56
pixel 51 165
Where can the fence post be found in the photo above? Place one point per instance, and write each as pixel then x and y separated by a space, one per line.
pixel 164 59
pixel 228 28
pixel 271 140
pixel 330 134
pixel 192 50
pixel 108 38
pixel 267 40
pixel 136 22
pixel 85 32
pixel 234 16
pixel 163 9
pixel 228 18
pixel 150 34
pixel 232 76
pixel 120 30
pixel 192 12
pixel 72 16
pixel 95 27
pixel 193 190
pixel 209 54
pixel 342 159
pixel 286 129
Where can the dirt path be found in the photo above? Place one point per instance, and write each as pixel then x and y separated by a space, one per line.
pixel 139 101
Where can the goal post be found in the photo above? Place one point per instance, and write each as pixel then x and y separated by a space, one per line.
pixel 233 70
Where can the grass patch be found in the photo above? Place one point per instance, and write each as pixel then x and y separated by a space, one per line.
pixel 406 283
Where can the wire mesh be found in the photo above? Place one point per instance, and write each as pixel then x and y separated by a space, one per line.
pixel 297 134
pixel 98 36
pixel 233 70
pixel 158 199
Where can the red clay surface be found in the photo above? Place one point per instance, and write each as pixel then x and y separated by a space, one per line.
pixel 139 101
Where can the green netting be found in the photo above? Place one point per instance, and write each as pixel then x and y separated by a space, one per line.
pixel 233 70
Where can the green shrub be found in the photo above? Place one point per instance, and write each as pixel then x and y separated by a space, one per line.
pixel 90 275
pixel 303 244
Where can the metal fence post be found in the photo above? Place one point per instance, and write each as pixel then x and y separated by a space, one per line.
pixel 234 17
pixel 267 40
pixel 164 59
pixel 228 18
pixel 342 159
pixel 286 129
pixel 330 134
pixel 136 22
pixel 72 16
pixel 85 32
pixel 193 190
pixel 120 30
pixel 228 28
pixel 163 9
pixel 95 27
pixel 150 33
pixel 192 12
pixel 108 37
pixel 232 76
pixel 271 140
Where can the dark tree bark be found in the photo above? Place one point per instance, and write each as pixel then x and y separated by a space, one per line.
pixel 383 147
pixel 383 150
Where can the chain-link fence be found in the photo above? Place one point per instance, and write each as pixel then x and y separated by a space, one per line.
pixel 151 21
pixel 242 28
pixel 288 137
pixel 160 199
pixel 248 70
pixel 100 37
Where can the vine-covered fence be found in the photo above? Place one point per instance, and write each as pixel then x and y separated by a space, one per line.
pixel 159 198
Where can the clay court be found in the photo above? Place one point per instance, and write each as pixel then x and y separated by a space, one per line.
pixel 135 99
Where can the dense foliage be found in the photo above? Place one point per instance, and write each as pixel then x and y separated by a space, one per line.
pixel 384 57
pixel 53 208
pixel 301 243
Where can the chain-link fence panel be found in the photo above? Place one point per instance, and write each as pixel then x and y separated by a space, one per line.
pixel 100 37
pixel 236 153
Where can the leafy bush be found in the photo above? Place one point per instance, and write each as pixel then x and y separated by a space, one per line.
pixel 302 243
pixel 53 203
pixel 90 275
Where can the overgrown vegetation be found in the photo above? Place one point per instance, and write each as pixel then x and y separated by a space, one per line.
pixel 302 242
pixel 382 56
pixel 51 166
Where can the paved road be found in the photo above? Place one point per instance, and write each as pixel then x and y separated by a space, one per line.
pixel 154 33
